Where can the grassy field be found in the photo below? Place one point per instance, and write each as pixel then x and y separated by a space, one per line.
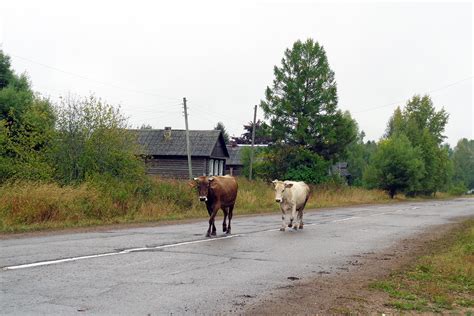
pixel 439 282
pixel 29 206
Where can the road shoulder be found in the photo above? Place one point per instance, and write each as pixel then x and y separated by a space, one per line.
pixel 348 291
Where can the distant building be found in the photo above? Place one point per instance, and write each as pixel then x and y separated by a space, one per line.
pixel 234 164
pixel 164 152
pixel 341 168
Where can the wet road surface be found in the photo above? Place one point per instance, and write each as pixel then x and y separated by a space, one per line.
pixel 175 269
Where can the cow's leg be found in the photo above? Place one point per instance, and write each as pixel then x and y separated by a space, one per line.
pixel 300 218
pixel 293 215
pixel 224 224
pixel 210 211
pixel 214 229
pixel 283 224
pixel 212 219
pixel 231 213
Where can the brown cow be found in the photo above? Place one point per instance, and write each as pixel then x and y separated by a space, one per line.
pixel 218 192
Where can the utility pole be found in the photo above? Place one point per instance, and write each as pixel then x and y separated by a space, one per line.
pixel 253 142
pixel 188 150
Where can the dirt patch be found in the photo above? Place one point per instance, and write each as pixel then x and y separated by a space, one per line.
pixel 348 292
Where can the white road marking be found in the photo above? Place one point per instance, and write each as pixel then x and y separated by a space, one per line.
pixel 126 251
pixel 344 219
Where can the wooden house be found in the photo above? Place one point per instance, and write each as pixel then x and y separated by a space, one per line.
pixel 164 151
pixel 234 164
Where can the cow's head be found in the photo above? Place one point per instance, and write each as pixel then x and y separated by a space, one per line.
pixel 280 188
pixel 203 183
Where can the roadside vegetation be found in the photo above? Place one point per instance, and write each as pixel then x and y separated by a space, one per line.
pixel 73 162
pixel 29 206
pixel 439 282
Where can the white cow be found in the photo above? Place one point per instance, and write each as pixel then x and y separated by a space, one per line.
pixel 292 196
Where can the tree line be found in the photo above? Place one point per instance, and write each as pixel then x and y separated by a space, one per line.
pixel 307 134
pixel 83 138
pixel 78 138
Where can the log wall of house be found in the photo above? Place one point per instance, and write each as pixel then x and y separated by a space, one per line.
pixel 175 167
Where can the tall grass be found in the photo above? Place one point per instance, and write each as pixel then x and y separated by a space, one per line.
pixel 28 206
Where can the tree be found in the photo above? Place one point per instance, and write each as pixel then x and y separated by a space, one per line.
pixel 463 161
pixel 93 140
pixel 6 73
pixel 220 127
pixel 290 162
pixel 302 103
pixel 424 127
pixel 26 127
pixel 146 126
pixel 419 115
pixel 358 156
pixel 262 133
pixel 396 166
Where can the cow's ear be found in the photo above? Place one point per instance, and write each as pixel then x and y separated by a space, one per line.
pixel 274 182
pixel 195 179
pixel 288 185
pixel 192 183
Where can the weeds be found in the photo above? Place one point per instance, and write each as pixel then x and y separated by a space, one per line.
pixel 442 280
pixel 26 206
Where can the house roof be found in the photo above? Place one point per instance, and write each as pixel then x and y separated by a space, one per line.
pixel 235 157
pixel 202 143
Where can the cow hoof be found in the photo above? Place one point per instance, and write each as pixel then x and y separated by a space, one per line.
pixel 301 226
pixel 295 228
pixel 282 229
pixel 213 234
pixel 208 235
pixel 228 232
pixel 290 225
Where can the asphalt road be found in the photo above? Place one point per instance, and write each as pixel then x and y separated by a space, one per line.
pixel 174 269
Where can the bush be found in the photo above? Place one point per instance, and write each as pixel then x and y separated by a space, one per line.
pixel 396 166
pixel 291 163
pixel 92 139
pixel 457 189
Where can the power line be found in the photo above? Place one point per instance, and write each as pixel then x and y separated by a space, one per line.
pixel 90 79
pixel 162 106
pixel 427 92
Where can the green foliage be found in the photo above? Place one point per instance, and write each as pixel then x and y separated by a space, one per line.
pixel 419 115
pixel 26 128
pixel 262 133
pixel 302 103
pixel 463 161
pixel 441 280
pixel 424 128
pixel 7 76
pixel 289 162
pixel 396 166
pixel 92 139
pixel 358 155
pixel 220 127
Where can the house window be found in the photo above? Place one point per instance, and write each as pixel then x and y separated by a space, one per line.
pixel 211 167
pixel 216 167
pixel 221 167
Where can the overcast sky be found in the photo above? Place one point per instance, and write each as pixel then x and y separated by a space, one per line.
pixel 148 55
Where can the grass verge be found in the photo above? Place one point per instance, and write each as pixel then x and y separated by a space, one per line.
pixel 438 282
pixel 30 206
